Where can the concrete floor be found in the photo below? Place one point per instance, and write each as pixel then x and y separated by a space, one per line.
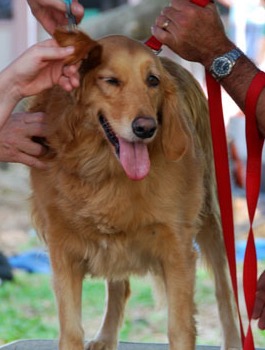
pixel 52 345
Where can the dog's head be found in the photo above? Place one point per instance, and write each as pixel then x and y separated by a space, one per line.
pixel 132 97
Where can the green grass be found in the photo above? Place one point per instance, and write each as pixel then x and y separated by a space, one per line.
pixel 28 310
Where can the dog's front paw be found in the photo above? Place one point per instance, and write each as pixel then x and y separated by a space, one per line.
pixel 101 345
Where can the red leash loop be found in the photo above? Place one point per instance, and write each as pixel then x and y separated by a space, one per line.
pixel 254 161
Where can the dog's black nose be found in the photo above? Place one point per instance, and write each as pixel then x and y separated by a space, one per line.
pixel 144 127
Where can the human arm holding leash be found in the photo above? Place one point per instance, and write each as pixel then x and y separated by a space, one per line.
pixel 197 34
pixel 38 68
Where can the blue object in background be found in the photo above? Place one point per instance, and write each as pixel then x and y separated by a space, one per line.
pixel 260 249
pixel 34 261
pixel 37 261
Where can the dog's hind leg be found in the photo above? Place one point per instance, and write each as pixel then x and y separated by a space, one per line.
pixel 107 338
pixel 212 248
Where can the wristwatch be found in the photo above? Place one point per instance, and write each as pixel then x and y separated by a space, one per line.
pixel 222 66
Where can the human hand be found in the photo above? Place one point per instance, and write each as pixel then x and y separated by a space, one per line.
pixel 41 67
pixel 259 307
pixel 51 13
pixel 195 33
pixel 16 143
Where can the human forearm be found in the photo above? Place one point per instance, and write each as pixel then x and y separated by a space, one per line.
pixel 9 95
pixel 237 84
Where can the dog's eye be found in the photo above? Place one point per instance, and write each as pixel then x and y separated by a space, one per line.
pixel 152 80
pixel 112 81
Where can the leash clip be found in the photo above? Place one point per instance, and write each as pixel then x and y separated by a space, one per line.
pixel 154 45
pixel 156 52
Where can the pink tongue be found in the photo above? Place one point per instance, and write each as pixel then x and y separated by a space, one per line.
pixel 134 158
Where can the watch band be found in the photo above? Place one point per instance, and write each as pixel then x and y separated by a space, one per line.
pixel 222 66
pixel 234 54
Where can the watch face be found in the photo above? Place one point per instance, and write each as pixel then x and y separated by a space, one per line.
pixel 222 66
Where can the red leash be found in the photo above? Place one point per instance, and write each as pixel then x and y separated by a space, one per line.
pixel 254 161
pixel 223 181
pixel 254 147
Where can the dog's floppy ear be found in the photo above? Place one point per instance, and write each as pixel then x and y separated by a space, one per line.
pixel 85 47
pixel 175 134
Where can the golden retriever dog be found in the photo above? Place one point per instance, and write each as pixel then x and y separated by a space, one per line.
pixel 128 190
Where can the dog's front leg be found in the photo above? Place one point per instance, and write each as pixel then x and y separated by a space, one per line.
pixel 179 275
pixel 67 279
pixel 107 338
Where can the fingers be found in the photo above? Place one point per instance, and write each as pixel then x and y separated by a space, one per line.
pixel 34 124
pixel 77 10
pixel 51 13
pixel 190 30
pixel 259 304
pixel 65 76
pixel 259 307
pixel 261 281
pixel 175 14
pixel 16 144
pixel 29 128
pixel 70 78
pixel 29 118
pixel 161 35
pixel 29 151
pixel 164 29
pixel 172 19
pixel 50 50
pixel 33 162
pixel 261 323
pixel 167 25
pixel 56 4
pixel 42 66
pixel 32 148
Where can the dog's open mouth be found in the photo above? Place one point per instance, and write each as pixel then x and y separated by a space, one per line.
pixel 110 134
pixel 133 156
